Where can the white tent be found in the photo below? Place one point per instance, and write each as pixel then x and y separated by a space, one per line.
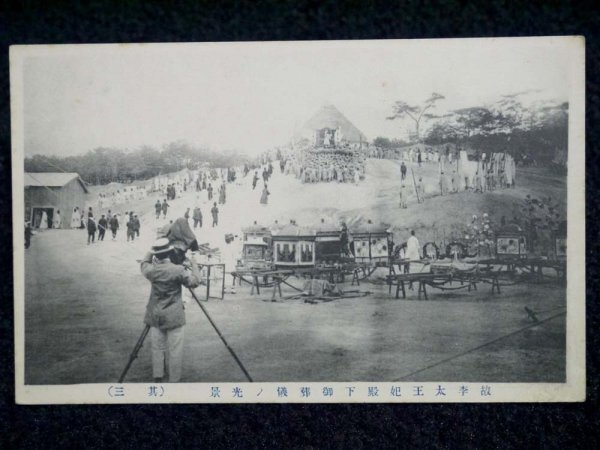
pixel 331 118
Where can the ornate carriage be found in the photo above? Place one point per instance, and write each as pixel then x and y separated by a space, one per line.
pixel 293 246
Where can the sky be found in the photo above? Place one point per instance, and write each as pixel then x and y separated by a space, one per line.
pixel 254 96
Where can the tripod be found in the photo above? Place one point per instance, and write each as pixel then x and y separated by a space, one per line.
pixel 135 352
pixel 142 337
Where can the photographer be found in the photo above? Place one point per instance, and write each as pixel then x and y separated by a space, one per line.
pixel 165 312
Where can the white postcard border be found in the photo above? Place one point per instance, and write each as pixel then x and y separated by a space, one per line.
pixel 387 392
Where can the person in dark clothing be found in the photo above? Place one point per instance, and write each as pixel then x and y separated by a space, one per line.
pixel 165 207
pixel 197 216
pixel 157 208
pixel 254 180
pixel 136 225
pixel 91 227
pixel 130 229
pixel 210 191
pixel 402 171
pixel 102 226
pixel 187 214
pixel 344 240
pixel 114 226
pixel 215 214
pixel 28 234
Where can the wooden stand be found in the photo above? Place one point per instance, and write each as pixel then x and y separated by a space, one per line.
pixel 210 269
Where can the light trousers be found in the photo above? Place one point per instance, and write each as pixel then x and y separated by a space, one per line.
pixel 167 346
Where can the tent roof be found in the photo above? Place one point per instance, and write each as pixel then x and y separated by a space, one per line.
pixel 52 179
pixel 330 117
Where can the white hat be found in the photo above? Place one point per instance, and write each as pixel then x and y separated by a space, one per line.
pixel 161 245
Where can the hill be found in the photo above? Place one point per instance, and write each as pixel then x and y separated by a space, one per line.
pixel 375 199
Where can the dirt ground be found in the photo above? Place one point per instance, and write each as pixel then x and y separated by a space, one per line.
pixel 84 305
pixel 83 317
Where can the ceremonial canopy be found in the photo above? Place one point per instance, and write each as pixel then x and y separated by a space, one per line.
pixel 330 128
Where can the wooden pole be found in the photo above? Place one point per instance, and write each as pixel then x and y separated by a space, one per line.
pixel 135 352
pixel 415 184
pixel 235 357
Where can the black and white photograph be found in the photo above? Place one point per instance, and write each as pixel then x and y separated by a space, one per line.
pixel 342 221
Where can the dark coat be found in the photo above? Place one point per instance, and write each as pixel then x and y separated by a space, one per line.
pixel 91 225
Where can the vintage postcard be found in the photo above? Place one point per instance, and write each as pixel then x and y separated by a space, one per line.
pixel 333 221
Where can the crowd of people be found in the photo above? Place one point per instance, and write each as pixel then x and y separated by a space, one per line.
pixel 105 222
pixel 43 221
pixel 417 153
pixel 121 196
pixel 456 173
pixel 322 166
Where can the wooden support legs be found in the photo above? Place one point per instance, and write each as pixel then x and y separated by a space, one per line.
pixel 276 288
pixel 495 284
pixel 472 284
pixel 255 285
pixel 355 277
pixel 399 286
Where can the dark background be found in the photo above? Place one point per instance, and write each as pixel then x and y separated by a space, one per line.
pixel 357 426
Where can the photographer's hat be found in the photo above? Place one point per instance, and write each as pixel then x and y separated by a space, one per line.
pixel 161 245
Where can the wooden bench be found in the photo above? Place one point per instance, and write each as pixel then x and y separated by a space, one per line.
pixel 434 280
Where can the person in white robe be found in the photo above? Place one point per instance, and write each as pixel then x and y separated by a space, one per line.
pixel 338 136
pixel 413 248
pixel 44 221
pixel 420 191
pixel 75 218
pixel 57 220
pixel 454 182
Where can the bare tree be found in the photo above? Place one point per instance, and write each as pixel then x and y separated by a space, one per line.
pixel 402 109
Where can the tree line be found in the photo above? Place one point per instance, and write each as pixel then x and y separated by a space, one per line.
pixel 103 165
pixel 536 131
